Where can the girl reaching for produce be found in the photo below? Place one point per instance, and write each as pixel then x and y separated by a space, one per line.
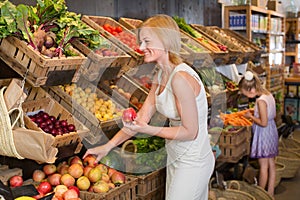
pixel 178 93
pixel 264 146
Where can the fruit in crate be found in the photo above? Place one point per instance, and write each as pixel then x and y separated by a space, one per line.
pixel 49 124
pixel 103 109
pixel 126 37
pixel 128 115
pixel 231 85
pixel 16 181
pixel 145 81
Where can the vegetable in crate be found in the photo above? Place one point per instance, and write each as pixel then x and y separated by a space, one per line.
pixel 47 27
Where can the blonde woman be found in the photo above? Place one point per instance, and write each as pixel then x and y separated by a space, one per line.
pixel 178 93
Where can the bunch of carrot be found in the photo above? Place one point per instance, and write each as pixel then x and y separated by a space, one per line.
pixel 235 118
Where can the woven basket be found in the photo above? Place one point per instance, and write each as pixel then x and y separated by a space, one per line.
pixel 258 192
pixel 291 160
pixel 229 194
pixel 290 143
pixel 279 171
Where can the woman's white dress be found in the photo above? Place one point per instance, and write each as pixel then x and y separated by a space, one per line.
pixel 190 163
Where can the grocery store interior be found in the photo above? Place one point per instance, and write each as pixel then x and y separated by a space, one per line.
pixel 69 68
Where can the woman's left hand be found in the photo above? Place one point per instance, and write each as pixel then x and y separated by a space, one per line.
pixel 136 125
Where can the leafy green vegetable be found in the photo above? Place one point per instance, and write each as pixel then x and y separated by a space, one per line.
pixel 8 24
pixel 186 27
pixel 151 151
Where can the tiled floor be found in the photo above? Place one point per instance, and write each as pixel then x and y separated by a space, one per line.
pixel 289 189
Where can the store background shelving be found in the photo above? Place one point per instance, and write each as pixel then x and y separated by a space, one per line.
pixel 267 29
pixel 292 40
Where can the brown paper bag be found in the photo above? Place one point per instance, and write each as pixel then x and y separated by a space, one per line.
pixel 35 145
pixel 13 94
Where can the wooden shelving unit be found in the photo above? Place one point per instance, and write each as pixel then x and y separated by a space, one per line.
pixel 266 28
pixel 292 52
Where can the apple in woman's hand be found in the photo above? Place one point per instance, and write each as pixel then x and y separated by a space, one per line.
pixel 129 115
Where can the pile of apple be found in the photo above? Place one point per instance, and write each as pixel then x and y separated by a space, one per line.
pixel 102 109
pixel 68 178
pixel 145 81
pixel 126 37
pixel 133 100
pixel 49 124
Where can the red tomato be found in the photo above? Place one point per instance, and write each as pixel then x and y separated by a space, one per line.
pixel 114 33
pixel 106 26
pixel 119 29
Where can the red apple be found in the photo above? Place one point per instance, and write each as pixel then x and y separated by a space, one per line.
pixel 54 179
pixel 74 159
pixel 103 168
pixel 75 170
pixel 100 187
pixel 89 160
pixel 16 181
pixel 111 171
pixel 44 187
pixel 86 170
pixel 64 169
pixel 70 194
pixel 83 183
pixel 118 178
pixel 67 180
pixel 94 175
pixel 60 190
pixel 105 177
pixel 49 169
pixel 129 115
pixel 60 165
pixel 73 187
pixel 38 175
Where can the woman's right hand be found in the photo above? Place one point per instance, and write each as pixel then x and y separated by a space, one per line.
pixel 99 151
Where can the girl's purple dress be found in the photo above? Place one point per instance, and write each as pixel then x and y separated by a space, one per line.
pixel 265 139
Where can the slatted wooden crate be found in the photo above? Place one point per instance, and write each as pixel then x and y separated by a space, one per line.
pixel 236 55
pixel 233 144
pixel 253 51
pixel 96 64
pixel 151 186
pixel 96 22
pixel 42 70
pixel 52 107
pixel 217 57
pixel 126 191
pixel 6 173
pixel 100 130
pixel 189 55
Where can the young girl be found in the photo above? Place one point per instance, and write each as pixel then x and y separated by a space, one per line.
pixel 265 136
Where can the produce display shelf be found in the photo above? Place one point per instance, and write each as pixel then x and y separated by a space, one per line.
pixel 97 22
pixel 100 131
pixel 40 70
pixel 96 64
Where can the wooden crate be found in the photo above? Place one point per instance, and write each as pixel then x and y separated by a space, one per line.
pixel 217 57
pixel 151 186
pixel 42 70
pixel 6 173
pixel 52 107
pixel 130 23
pixel 255 51
pixel 100 131
pixel 128 85
pixel 233 144
pixel 96 64
pixel 126 191
pixel 236 55
pixel 96 22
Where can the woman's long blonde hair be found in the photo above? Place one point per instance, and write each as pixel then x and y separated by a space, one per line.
pixel 168 32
